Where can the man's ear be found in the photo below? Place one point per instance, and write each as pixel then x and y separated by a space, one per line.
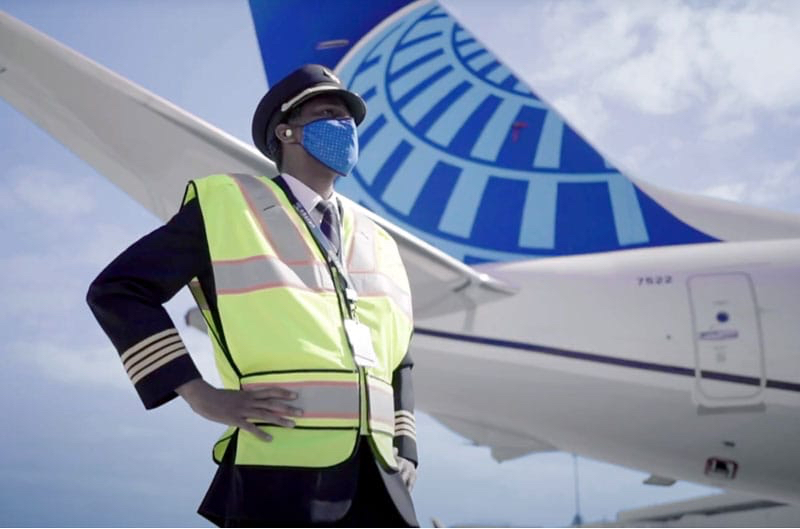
pixel 284 133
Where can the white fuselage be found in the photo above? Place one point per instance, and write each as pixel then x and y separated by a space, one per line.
pixel 657 359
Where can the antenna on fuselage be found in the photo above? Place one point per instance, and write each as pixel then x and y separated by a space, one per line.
pixel 577 519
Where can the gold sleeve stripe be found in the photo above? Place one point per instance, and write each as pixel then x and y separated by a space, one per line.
pixel 404 413
pixel 135 349
pixel 158 363
pixel 134 362
pixel 406 432
pixel 154 358
pixel 405 422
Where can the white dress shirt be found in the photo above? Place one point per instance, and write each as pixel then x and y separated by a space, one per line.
pixel 307 196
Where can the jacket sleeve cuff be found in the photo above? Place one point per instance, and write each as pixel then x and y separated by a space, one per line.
pixel 405 435
pixel 157 366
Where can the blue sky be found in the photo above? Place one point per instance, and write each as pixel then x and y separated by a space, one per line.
pixel 643 81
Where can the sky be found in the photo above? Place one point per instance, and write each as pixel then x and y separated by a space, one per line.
pixel 696 96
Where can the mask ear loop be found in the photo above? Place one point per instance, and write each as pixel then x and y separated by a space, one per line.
pixel 289 134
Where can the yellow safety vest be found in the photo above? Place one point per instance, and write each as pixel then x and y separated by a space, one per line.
pixel 281 314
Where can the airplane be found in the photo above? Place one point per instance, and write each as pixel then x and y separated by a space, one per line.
pixel 559 303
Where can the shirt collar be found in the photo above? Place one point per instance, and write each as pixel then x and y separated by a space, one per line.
pixel 307 196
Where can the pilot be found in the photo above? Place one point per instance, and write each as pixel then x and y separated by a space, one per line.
pixel 309 311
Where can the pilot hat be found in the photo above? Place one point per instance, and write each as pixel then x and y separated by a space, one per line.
pixel 299 86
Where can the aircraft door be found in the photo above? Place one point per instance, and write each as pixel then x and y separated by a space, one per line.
pixel 729 359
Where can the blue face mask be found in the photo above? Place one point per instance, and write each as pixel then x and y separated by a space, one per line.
pixel 334 142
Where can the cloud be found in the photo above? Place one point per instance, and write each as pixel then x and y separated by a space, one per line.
pixel 780 182
pixel 719 62
pixel 775 184
pixel 662 58
pixel 84 363
pixel 46 285
pixel 735 191
pixel 755 47
pixel 594 113
pixel 729 129
pixel 46 192
pixel 570 33
pixel 661 75
pixel 58 239
pixel 74 364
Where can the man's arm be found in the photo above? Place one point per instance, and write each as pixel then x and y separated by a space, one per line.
pixel 405 427
pixel 127 297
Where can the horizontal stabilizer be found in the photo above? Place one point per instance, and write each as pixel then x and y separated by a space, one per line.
pixel 707 506
pixel 440 283
pixel 504 445
pixel 718 510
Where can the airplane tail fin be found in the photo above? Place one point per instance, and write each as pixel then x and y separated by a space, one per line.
pixel 459 151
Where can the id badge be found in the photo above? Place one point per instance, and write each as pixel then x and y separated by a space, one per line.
pixel 361 340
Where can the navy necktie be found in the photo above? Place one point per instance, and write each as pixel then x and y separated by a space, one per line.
pixel 330 223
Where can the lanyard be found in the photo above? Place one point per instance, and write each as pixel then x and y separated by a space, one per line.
pixel 324 245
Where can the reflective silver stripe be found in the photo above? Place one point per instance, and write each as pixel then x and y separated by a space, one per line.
pixel 319 399
pixel 381 405
pixel 377 284
pixel 275 223
pixel 262 272
pixel 362 245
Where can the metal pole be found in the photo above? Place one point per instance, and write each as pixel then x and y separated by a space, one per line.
pixel 577 520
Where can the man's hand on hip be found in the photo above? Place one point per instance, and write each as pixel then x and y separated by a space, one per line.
pixel 241 408
pixel 408 472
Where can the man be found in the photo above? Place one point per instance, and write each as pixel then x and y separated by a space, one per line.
pixel 309 311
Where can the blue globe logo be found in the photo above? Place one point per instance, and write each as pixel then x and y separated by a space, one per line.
pixel 457 150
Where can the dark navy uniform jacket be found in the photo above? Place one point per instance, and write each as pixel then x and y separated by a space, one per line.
pixel 127 297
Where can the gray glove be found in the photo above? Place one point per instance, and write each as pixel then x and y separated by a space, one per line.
pixel 408 472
